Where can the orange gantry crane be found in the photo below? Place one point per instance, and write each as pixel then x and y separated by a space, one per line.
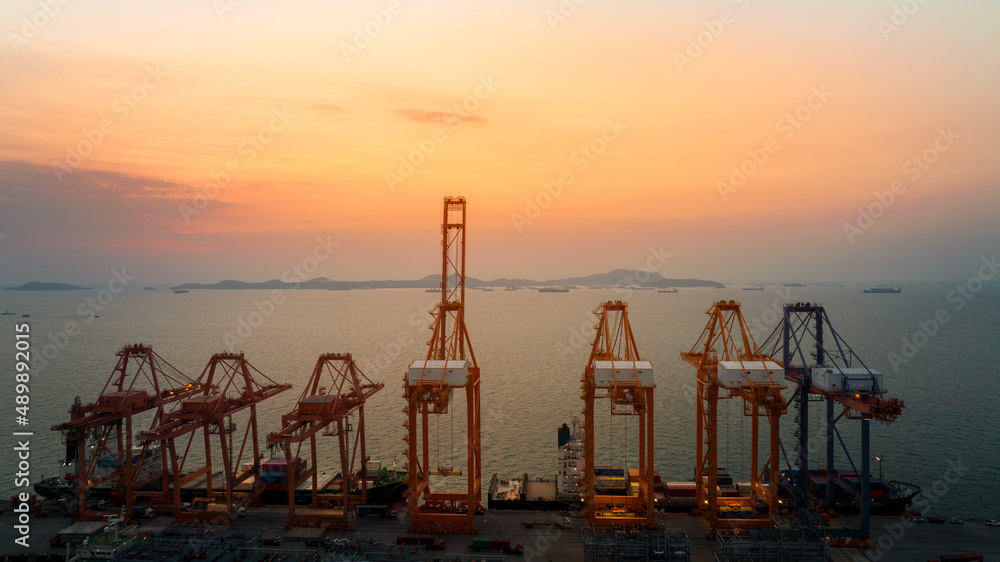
pixel 100 436
pixel 730 365
pixel 428 387
pixel 228 385
pixel 336 391
pixel 616 371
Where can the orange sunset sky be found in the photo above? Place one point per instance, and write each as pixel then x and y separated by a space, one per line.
pixel 742 137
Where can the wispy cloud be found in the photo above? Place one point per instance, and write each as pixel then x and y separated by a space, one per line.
pixel 325 109
pixel 89 205
pixel 445 117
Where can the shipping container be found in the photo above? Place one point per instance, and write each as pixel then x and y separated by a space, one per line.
pixel 849 380
pixel 426 540
pixel 734 374
pixel 481 543
pixel 500 544
pixel 376 510
pixel 607 373
pixel 451 372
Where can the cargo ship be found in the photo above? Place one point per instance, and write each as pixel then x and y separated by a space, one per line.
pixel 884 289
pixel 553 290
pixel 523 493
pixel 563 493
pixel 384 486
pixel 886 497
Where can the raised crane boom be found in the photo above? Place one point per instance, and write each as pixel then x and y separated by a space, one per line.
pixel 428 384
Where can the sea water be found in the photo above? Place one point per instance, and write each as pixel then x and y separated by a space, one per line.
pixel 532 348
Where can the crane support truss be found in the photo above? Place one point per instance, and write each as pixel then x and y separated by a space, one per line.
pixel 228 385
pixel 820 363
pixel 336 391
pixel 141 383
pixel 729 365
pixel 616 371
pixel 428 385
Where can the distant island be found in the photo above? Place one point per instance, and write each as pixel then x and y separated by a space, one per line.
pixel 618 277
pixel 38 286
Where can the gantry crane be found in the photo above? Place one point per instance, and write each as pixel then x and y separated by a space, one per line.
pixel 336 391
pixel 228 385
pixel 730 365
pixel 142 384
pixel 834 372
pixel 616 371
pixel 428 384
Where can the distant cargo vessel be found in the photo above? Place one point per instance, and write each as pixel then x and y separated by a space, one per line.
pixel 668 290
pixel 553 290
pixel 179 291
pixel 885 289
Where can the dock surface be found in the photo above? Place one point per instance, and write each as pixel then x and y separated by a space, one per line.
pixel 916 542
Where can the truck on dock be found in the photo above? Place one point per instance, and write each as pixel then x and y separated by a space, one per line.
pixel 564 524
pixel 423 540
pixel 381 511
pixel 485 543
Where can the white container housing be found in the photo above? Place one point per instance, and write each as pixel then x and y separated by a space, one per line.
pixel 734 374
pixel 452 373
pixel 607 373
pixel 851 380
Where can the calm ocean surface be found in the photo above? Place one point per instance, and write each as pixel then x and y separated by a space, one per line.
pixel 532 348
